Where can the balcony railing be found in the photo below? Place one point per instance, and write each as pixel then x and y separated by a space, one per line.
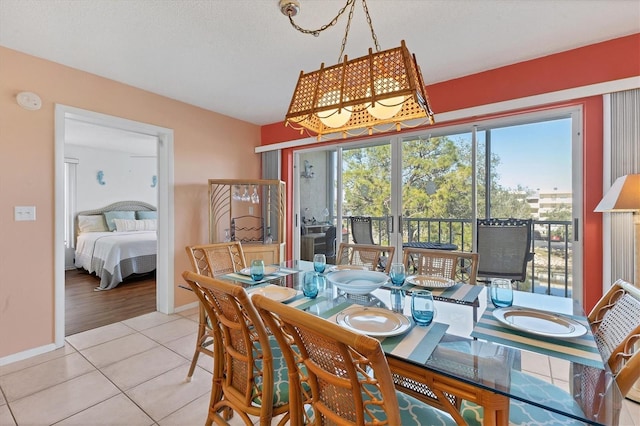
pixel 548 273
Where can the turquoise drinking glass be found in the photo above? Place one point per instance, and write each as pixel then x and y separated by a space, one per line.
pixel 501 292
pixel 397 274
pixel 319 262
pixel 257 270
pixel 422 307
pixel 310 284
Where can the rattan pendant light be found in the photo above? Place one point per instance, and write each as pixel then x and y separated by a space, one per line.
pixel 379 92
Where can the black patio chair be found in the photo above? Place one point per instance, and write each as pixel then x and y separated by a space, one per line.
pixel 504 248
pixel 361 230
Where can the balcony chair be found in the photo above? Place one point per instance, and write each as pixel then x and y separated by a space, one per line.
pixel 370 256
pixel 455 265
pixel 212 260
pixel 342 377
pixel 615 322
pixel 329 248
pixel 361 230
pixel 504 248
pixel 250 373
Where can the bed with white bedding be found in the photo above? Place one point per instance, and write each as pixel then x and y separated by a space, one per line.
pixel 117 241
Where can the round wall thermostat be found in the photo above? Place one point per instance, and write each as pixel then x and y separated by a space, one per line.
pixel 29 100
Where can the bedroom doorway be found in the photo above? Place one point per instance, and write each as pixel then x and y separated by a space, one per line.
pixel 164 180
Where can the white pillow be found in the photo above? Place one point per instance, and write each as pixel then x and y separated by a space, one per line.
pixel 92 223
pixel 127 225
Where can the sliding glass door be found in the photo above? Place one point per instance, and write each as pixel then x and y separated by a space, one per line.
pixel 431 186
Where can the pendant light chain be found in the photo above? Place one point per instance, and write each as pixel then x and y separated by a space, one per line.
pixel 373 33
pixel 317 32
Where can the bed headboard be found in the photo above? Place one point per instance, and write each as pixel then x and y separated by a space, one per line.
pixel 119 206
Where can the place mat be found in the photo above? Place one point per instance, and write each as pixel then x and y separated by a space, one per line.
pixel 465 294
pixel 415 345
pixel 581 349
pixel 282 272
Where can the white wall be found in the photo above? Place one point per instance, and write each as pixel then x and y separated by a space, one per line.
pixel 126 177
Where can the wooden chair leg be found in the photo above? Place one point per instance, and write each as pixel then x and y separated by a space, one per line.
pixel 201 342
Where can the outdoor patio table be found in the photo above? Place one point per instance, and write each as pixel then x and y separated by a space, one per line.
pixel 479 366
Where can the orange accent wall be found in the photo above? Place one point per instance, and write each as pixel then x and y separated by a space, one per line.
pixel 607 61
pixel 206 145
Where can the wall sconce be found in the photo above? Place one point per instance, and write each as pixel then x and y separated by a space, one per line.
pixel 307 173
pixel 100 177
pixel 154 181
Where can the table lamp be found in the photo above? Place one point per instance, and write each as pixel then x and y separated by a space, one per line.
pixel 624 196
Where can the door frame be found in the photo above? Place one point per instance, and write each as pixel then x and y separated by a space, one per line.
pixel 165 265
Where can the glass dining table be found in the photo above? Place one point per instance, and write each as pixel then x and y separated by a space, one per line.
pixel 471 352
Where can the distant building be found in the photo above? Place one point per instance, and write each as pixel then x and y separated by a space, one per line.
pixel 541 203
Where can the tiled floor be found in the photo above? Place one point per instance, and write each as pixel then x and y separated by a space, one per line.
pixel 129 373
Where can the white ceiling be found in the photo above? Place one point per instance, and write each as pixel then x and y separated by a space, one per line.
pixel 242 58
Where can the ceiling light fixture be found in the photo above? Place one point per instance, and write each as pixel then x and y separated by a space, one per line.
pixel 375 93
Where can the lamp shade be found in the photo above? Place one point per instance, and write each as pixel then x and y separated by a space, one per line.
pixel 623 196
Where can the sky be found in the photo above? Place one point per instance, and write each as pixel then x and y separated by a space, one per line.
pixel 537 155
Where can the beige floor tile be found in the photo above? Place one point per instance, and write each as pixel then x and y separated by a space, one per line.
pixel 194 413
pixel 144 366
pixel 6 419
pixel 150 320
pixel 61 401
pixel 118 349
pixel 169 392
pixel 631 413
pixel 38 359
pixel 191 312
pixel 171 330
pixel 42 376
pixel 2 400
pixel 116 411
pixel 536 363
pixel 562 385
pixel 89 338
pixel 560 369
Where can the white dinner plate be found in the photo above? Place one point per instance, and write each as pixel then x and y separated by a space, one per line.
pixel 539 322
pixel 268 270
pixel 373 321
pixel 428 281
pixel 347 268
pixel 275 292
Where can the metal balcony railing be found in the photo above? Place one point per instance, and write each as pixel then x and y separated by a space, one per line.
pixel 548 273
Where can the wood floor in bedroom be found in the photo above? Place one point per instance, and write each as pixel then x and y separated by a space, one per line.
pixel 86 309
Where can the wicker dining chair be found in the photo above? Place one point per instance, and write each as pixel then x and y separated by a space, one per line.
pixel 250 373
pixel 374 257
pixel 456 265
pixel 615 321
pixel 211 259
pixel 342 377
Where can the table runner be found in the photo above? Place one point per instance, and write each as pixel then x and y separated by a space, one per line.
pixel 465 294
pixel 281 272
pixel 581 349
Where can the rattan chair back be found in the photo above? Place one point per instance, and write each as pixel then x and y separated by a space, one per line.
pixel 211 260
pixel 456 265
pixel 342 375
pixel 373 257
pixel 217 258
pixel 243 357
pixel 615 321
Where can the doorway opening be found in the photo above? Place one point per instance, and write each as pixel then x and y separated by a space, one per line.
pixel 164 271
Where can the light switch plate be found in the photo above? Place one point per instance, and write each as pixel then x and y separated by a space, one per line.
pixel 25 213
